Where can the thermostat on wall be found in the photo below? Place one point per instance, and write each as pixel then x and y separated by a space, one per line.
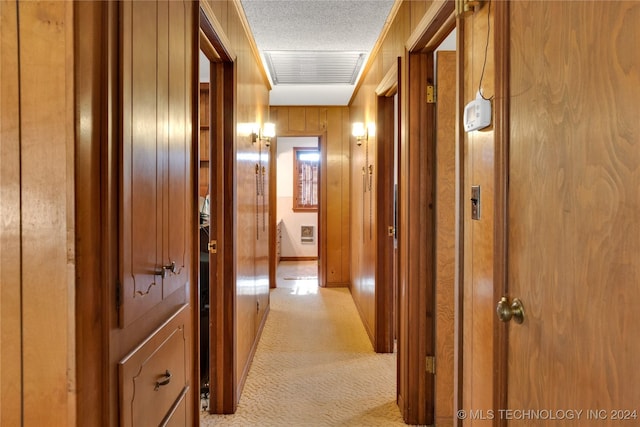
pixel 477 114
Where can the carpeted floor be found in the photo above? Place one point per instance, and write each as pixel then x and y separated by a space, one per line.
pixel 314 365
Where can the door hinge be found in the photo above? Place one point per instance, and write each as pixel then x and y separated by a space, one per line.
pixel 430 364
pixel 431 94
pixel 212 247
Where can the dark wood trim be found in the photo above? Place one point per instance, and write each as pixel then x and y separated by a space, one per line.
pixel 384 292
pixel 214 33
pixel 92 303
pixel 460 232
pixel 417 233
pixel 501 208
pixel 195 219
pixel 273 216
pixel 429 31
pixel 222 304
pixel 388 86
pixel 322 212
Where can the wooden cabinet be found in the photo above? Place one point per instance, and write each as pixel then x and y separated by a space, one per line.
pixel 153 340
pixel 153 377
pixel 156 156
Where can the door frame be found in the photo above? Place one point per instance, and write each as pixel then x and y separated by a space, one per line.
pixel 388 127
pixel 322 209
pixel 416 225
pixel 501 203
pixel 222 273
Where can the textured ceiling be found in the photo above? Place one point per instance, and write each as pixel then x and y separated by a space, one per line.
pixel 297 29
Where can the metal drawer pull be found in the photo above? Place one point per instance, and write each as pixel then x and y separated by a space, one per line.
pixel 165 270
pixel 164 380
pixel 171 267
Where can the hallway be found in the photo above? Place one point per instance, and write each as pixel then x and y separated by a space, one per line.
pixel 314 365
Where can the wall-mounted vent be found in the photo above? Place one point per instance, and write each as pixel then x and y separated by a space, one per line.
pixel 314 67
pixel 307 233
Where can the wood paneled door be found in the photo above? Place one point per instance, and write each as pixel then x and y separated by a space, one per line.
pixel 385 207
pixel 573 202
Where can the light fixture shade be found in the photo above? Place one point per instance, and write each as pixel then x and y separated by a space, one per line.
pixel 269 130
pixel 358 130
pixel 371 130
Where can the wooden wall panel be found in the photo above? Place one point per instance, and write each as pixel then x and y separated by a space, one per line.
pixel 10 264
pixel 336 247
pixel 478 290
pixel 297 119
pixel 345 170
pixel 313 119
pixel 44 138
pixel 220 9
pixel 363 108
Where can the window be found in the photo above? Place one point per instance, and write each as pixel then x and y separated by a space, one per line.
pixel 306 161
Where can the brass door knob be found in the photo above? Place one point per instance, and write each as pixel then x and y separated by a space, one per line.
pixel 507 311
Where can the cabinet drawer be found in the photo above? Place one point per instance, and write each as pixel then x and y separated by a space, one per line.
pixel 153 377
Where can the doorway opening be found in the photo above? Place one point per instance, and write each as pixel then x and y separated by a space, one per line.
pixel 204 216
pixel 297 201
pixel 216 287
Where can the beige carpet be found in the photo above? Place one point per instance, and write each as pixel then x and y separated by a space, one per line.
pixel 314 366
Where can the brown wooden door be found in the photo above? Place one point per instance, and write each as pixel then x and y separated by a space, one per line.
pixel 385 312
pixel 155 212
pixel 574 227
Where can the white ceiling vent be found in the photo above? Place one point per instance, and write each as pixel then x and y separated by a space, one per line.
pixel 314 67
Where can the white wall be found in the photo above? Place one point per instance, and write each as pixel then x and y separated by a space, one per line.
pixel 292 221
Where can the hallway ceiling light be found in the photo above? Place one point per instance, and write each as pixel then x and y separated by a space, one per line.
pixel 314 67
pixel 313 51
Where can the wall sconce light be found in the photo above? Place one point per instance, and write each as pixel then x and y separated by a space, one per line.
pixel 361 133
pixel 268 132
pixel 467 7
pixel 265 134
